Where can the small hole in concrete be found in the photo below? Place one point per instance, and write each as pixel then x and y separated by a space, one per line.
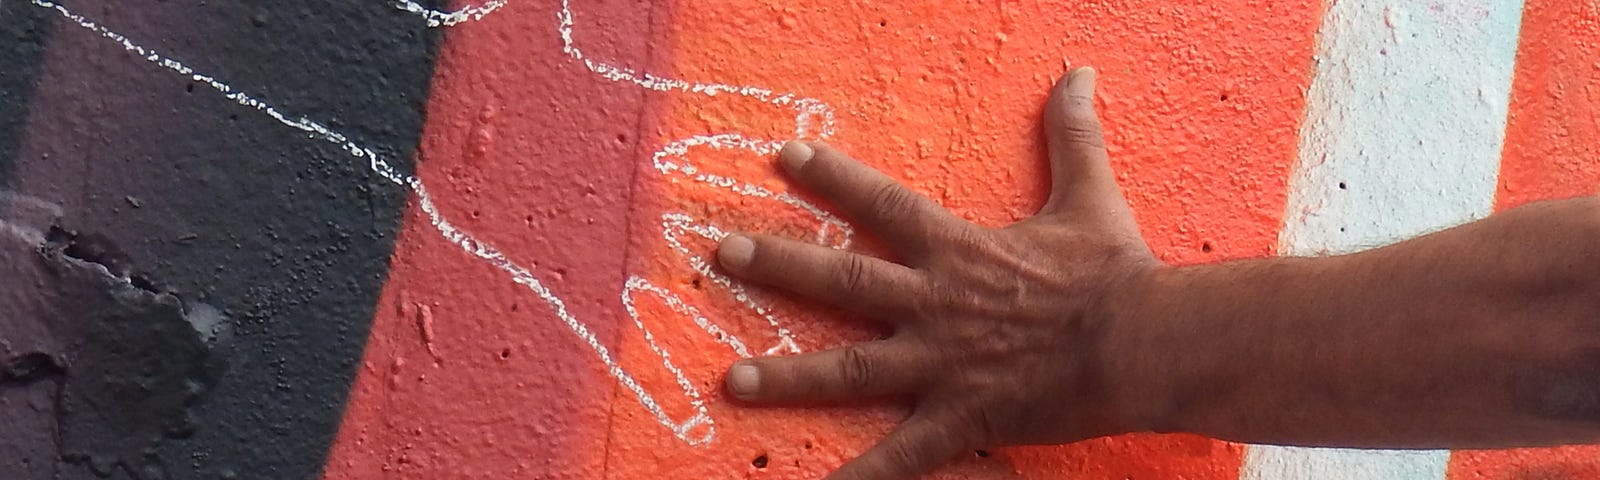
pixel 189 88
pixel 505 353
pixel 513 307
pixel 1342 186
pixel 808 444
pixel 695 282
pixel 1205 247
pixel 622 138
pixel 760 462
pixel 476 213
pixel 883 23
pixel 1223 97
pixel 981 453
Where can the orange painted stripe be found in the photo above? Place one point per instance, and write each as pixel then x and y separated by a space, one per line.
pixel 1203 104
pixel 1553 134
pixel 1552 151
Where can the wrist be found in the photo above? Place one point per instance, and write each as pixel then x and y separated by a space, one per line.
pixel 1136 364
pixel 1185 347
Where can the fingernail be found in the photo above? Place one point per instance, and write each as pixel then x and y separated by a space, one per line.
pixel 736 251
pixel 794 155
pixel 743 380
pixel 1082 81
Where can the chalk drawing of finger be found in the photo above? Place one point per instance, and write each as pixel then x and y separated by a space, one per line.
pixel 679 230
pixel 697 428
pixel 675 162
pixel 812 118
pixel 671 302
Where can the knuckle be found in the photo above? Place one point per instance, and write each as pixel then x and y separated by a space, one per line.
pixel 888 201
pixel 966 242
pixel 1079 124
pixel 901 456
pixel 942 298
pixel 855 368
pixel 978 425
pixel 853 274
pixel 952 297
pixel 1086 133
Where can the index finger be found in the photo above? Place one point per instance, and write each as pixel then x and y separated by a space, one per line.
pixel 903 218
pixel 868 285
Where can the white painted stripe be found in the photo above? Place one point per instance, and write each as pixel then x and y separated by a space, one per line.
pixel 1404 124
pixel 1408 110
pixel 1286 463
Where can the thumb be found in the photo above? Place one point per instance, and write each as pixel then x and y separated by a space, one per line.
pixel 1080 167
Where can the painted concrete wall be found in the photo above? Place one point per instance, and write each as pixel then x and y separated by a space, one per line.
pixel 1239 129
pixel 548 309
pixel 189 272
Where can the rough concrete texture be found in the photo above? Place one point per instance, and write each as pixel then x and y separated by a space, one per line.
pixel 530 152
pixel 1404 125
pixel 1201 100
pixel 547 309
pixel 209 202
pixel 610 186
pixel 100 369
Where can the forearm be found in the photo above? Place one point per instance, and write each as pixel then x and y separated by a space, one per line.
pixel 1485 335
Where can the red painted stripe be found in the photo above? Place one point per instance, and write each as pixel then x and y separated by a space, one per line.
pixel 466 374
pixel 1552 151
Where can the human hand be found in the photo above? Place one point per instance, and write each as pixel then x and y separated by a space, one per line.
pixel 997 331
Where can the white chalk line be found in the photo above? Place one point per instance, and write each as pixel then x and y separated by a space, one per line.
pixel 466 242
pixel 813 118
pixel 437 18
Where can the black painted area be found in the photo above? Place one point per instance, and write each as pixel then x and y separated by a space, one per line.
pixel 182 194
pixel 23 30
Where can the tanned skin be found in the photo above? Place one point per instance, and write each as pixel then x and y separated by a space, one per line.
pixel 1065 327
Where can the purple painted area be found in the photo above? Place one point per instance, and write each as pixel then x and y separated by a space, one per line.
pixel 182 214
